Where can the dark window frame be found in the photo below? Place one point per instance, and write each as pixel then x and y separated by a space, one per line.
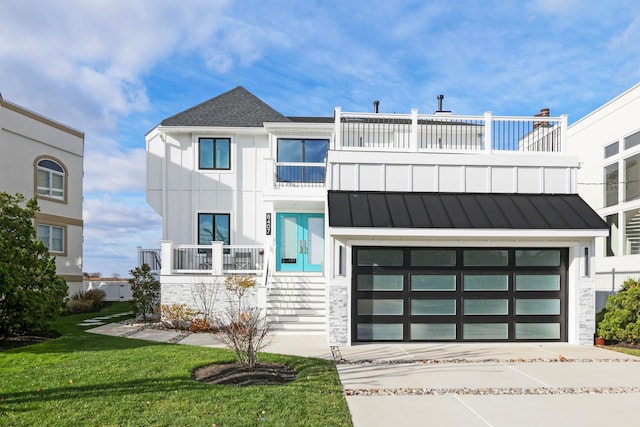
pixel 511 269
pixel 214 142
pixel 213 221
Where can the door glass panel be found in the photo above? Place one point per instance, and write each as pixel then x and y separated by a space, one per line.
pixel 496 307
pixel 537 282
pixel 433 282
pixel 289 241
pixel 316 240
pixel 289 150
pixel 315 150
pixel 433 307
pixel 381 307
pixel 433 331
pixel 537 331
pixel 538 306
pixel 433 257
pixel 379 331
pixel 485 257
pixel 379 257
pixel 486 282
pixel 380 282
pixel 546 257
pixel 485 331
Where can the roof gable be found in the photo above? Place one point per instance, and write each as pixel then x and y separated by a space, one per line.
pixel 235 108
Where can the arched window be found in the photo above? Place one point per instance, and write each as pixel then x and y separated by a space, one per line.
pixel 51 179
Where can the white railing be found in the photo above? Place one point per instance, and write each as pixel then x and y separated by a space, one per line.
pixel 436 132
pixel 214 259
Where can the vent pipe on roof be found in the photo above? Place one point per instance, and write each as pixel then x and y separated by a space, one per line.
pixel 440 98
pixel 376 105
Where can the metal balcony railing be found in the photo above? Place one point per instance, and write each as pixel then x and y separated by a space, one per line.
pixel 418 132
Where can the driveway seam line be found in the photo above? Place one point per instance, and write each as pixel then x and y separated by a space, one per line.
pixel 527 375
pixel 472 411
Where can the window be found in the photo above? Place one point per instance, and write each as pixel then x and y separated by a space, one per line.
pixel 611 150
pixel 302 151
pixel 212 227
pixel 52 237
pixel 611 185
pixel 50 179
pixel 632 140
pixel 632 232
pixel 632 178
pixel 612 238
pixel 214 153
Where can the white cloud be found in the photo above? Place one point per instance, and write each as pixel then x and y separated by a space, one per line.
pixel 115 171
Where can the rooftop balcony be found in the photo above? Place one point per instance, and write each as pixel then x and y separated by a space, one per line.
pixel 445 132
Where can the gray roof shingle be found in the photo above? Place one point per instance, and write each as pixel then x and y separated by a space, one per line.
pixel 235 108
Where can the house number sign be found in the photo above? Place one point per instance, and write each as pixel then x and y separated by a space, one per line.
pixel 268 224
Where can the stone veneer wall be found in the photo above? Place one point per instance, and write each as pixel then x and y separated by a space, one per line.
pixel 182 290
pixel 338 314
pixel 587 313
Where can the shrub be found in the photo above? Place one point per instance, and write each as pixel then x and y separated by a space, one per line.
pixel 621 320
pixel 79 306
pixel 78 296
pixel 245 329
pixel 97 296
pixel 200 324
pixel 177 316
pixel 145 290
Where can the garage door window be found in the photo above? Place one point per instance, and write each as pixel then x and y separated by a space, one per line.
pixel 459 294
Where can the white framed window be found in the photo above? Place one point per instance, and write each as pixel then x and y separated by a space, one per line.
pixel 50 179
pixel 52 236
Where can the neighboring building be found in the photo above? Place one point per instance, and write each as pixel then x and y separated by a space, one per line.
pixel 378 227
pixel 607 141
pixel 39 156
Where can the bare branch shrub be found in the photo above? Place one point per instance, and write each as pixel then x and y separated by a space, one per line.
pixel 205 298
pixel 244 329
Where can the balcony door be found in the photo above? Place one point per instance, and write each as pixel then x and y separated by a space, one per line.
pixel 299 242
pixel 301 161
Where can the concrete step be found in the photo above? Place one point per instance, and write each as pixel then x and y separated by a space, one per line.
pixel 296 304
pixel 299 327
pixel 298 319
pixel 297 312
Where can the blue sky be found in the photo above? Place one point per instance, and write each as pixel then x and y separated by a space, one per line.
pixel 114 69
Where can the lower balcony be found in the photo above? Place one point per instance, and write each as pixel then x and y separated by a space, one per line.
pixel 215 259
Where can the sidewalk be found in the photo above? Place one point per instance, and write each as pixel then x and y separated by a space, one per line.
pixel 461 384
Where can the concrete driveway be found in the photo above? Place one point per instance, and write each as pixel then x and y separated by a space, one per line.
pixel 489 385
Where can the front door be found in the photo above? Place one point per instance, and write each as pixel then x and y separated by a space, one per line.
pixel 299 242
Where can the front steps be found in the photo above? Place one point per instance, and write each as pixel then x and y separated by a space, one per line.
pixel 296 304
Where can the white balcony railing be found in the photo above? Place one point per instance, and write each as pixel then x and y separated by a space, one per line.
pixel 420 132
pixel 214 259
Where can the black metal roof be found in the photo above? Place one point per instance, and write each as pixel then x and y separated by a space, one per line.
pixel 235 108
pixel 461 210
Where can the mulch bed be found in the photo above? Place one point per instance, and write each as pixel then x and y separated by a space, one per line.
pixel 238 375
pixel 21 341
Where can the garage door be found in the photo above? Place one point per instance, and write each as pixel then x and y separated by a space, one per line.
pixel 459 294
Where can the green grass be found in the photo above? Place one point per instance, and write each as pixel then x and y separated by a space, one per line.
pixel 631 351
pixel 95 380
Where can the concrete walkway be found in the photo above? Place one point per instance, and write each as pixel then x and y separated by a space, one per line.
pixel 515 384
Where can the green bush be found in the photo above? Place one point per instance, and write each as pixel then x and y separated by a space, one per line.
pixel 145 292
pixel 621 321
pixel 97 296
pixel 75 306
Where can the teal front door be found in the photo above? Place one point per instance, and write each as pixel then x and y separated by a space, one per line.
pixel 299 242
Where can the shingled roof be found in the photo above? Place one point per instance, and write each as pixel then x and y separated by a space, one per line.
pixel 235 108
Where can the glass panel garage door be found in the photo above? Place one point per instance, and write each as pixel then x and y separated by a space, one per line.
pixel 459 294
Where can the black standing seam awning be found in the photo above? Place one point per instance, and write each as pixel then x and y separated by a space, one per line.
pixel 462 210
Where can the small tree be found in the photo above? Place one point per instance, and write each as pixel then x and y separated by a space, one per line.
pixel 31 295
pixel 622 317
pixel 245 330
pixel 145 290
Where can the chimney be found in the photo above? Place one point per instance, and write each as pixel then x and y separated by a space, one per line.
pixel 544 112
pixel 376 105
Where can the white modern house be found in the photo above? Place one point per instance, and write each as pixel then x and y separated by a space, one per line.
pixel 41 157
pixel 607 142
pixel 378 227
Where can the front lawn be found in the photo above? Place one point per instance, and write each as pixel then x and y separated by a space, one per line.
pixel 95 380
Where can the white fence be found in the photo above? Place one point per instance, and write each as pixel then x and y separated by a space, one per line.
pixel 115 290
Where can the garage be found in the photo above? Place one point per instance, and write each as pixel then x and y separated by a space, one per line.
pixel 459 294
